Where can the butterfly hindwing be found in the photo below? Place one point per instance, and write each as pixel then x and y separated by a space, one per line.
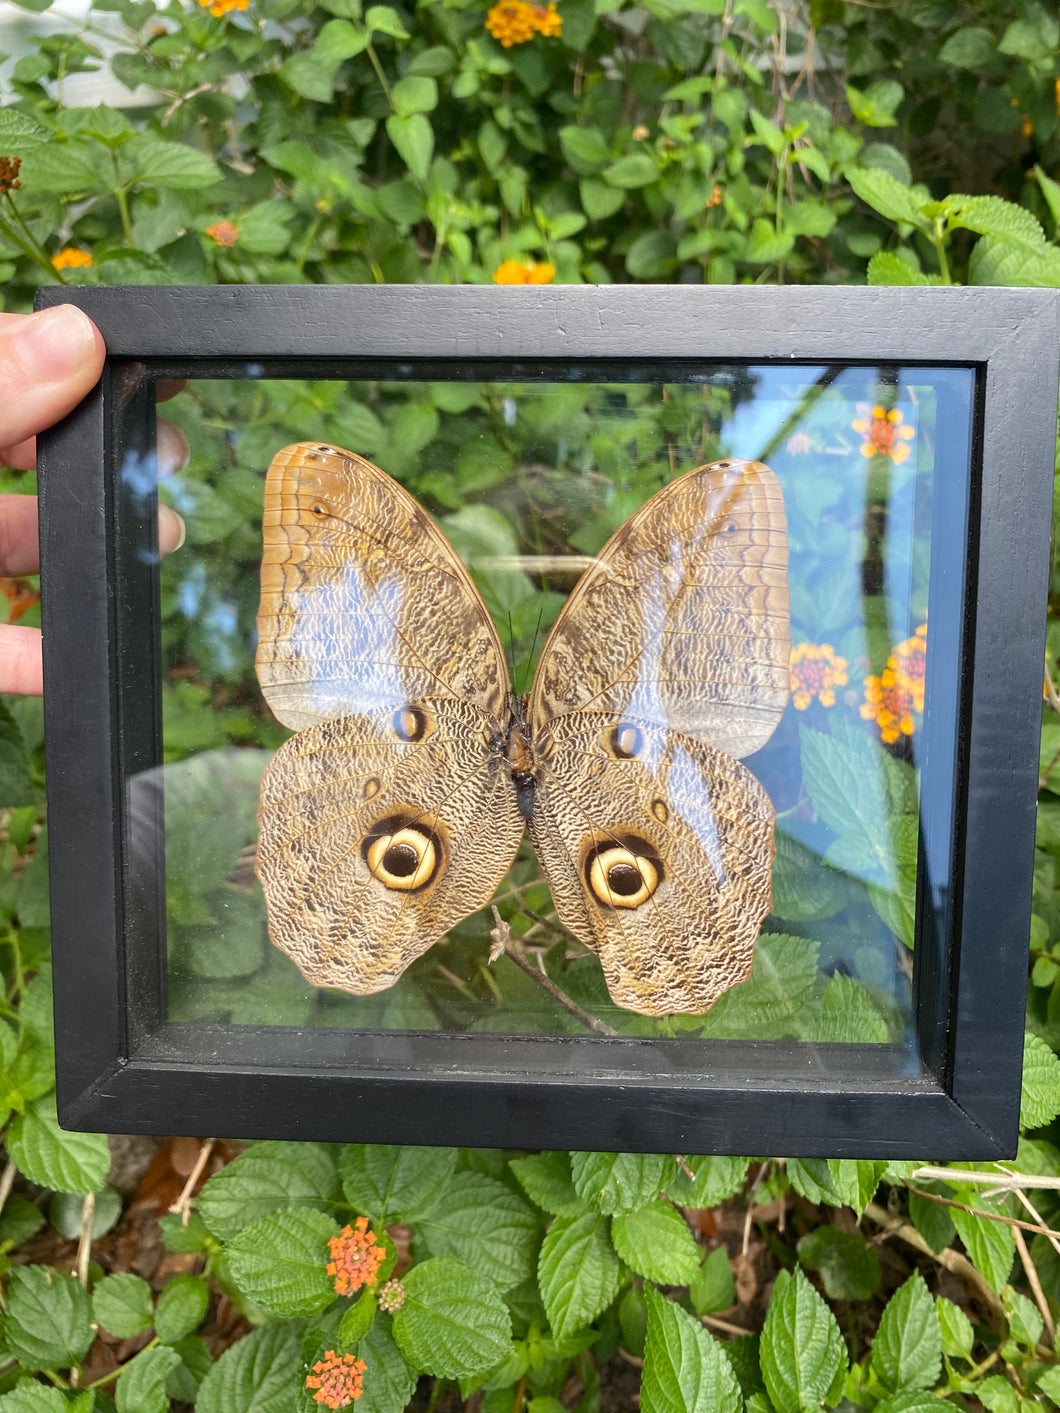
pixel 378 835
pixel 658 850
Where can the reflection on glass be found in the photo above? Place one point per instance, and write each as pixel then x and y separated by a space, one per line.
pixel 528 481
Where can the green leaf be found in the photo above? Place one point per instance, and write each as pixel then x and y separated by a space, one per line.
pixel 711 1288
pixel 386 21
pixel 848 1265
pixel 652 255
pixel 19 1220
pixel 391 1184
pixel 578 1271
pixel 259 1374
pixel 453 1322
pixel 46 1318
pixel 600 200
pixel 123 1304
pixel 956 1329
pixel 61 167
pixel 547 1181
pixel 484 1224
pixel 181 1307
pixel 20 134
pixel 655 1242
pixel 875 107
pixel 141 1386
pixel 267 1177
pixel 839 1182
pixel 183 1238
pixel 993 216
pixel 968 48
pixel 1032 39
pixel 279 1261
pixel 998 262
pixel 1040 1099
pixel 33 1398
pixel 907 1348
pixel 618 1182
pixel 685 1368
pixel 932 1221
pixel 67 1162
pixel 636 169
pixel 886 268
pixel 391 1382
pixel 16 787
pixel 847 1014
pixel 765 244
pixel 413 138
pixel 264 229
pixel 770 1003
pixel 809 217
pixel 1051 191
pixel 767 133
pixel 1025 1321
pixel 358 1319
pixel 712 1180
pixel 885 194
pixel 584 148
pixel 170 164
pixel 802 1350
pixel 991 1245
pixel 415 94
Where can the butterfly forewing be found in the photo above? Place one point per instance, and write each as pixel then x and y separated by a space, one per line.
pixel 658 850
pixel 683 619
pixel 364 605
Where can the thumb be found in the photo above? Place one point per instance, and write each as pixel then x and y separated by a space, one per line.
pixel 48 362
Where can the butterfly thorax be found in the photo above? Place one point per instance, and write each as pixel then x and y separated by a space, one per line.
pixel 519 756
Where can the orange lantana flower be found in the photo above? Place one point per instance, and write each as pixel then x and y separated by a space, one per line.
pixel 356 1255
pixel 70 258
pixel 816 671
pixel 892 698
pixel 338 1380
pixel 224 232
pixel 218 8
pixel 885 433
pixel 513 272
pixel 516 21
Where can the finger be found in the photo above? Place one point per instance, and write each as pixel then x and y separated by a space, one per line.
pixel 166 388
pixel 48 362
pixel 20 661
pixel 173 451
pixel 171 530
pixel 19 550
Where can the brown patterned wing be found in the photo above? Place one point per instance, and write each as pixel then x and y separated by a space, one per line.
pixel 658 850
pixel 683 620
pixel 378 836
pixel 364 605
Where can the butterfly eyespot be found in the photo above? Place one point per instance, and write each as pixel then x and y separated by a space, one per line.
pixel 410 723
pixel 320 509
pixel 624 740
pixel 403 853
pixel 659 810
pixel 619 876
pixel 730 528
pixel 371 787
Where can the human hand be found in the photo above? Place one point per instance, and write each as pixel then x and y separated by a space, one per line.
pixel 48 362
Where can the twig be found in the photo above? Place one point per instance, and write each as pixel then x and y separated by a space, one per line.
pixel 7 1181
pixel 1038 1229
pixel 1005 1180
pixel 1033 1210
pixel 948 1259
pixel 682 1163
pixel 183 1202
pixel 751 1209
pixel 511 949
pixel 1035 1284
pixel 84 1245
pixel 714 1322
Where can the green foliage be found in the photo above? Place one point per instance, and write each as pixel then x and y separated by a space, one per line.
pixel 684 140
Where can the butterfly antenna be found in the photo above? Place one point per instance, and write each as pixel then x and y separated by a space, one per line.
pixel 511 647
pixel 533 646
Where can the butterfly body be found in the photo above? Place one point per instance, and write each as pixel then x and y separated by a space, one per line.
pixel 399 806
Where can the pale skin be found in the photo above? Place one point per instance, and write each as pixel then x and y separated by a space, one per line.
pixel 48 362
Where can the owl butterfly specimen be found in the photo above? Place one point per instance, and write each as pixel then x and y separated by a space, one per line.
pixel 398 807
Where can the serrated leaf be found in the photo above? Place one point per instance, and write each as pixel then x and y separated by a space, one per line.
pixel 546 1179
pixel 932 1220
pixel 618 1182
pixel 484 1224
pixel 16 786
pixel 886 268
pixel 637 169
pixel 1024 1318
pixel 181 1307
pixel 19 133
pixel 141 1386
pixel 712 1181
pixel 847 1014
pixel 392 1381
pixel 395 1184
pixel 655 1242
pixel 802 1350
pixel 839 1182
pixel 578 1271
pixel 685 1368
pixel 991 1245
pixel 267 1177
pixel 998 262
pixel 66 1162
pixel 955 1327
pixel 1040 1098
pixel 33 1398
pixel 279 1261
pixel 124 1305
pixel 259 1374
pixel 453 1322
pixel 769 1005
pixel 170 164
pixel 993 216
pixel 712 1288
pixel 358 1319
pixel 413 137
pixel 907 1347
pixel 885 194
pixel 46 1318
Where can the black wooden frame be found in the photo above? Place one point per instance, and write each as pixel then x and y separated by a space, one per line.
pixel 123 1067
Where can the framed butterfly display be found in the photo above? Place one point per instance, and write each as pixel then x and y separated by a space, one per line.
pixel 596 718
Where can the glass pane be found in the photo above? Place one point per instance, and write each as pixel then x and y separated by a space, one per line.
pixel 528 480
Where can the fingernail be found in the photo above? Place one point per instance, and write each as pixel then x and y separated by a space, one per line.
pixel 172 531
pixel 173 449
pixel 55 343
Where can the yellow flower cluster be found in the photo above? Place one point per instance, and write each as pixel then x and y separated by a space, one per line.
pixel 218 8
pixel 892 698
pixel 512 272
pixel 816 671
pixel 70 258
pixel 516 21
pixel 884 434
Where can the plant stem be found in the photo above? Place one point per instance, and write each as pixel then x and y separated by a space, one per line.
pixel 122 197
pixel 369 49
